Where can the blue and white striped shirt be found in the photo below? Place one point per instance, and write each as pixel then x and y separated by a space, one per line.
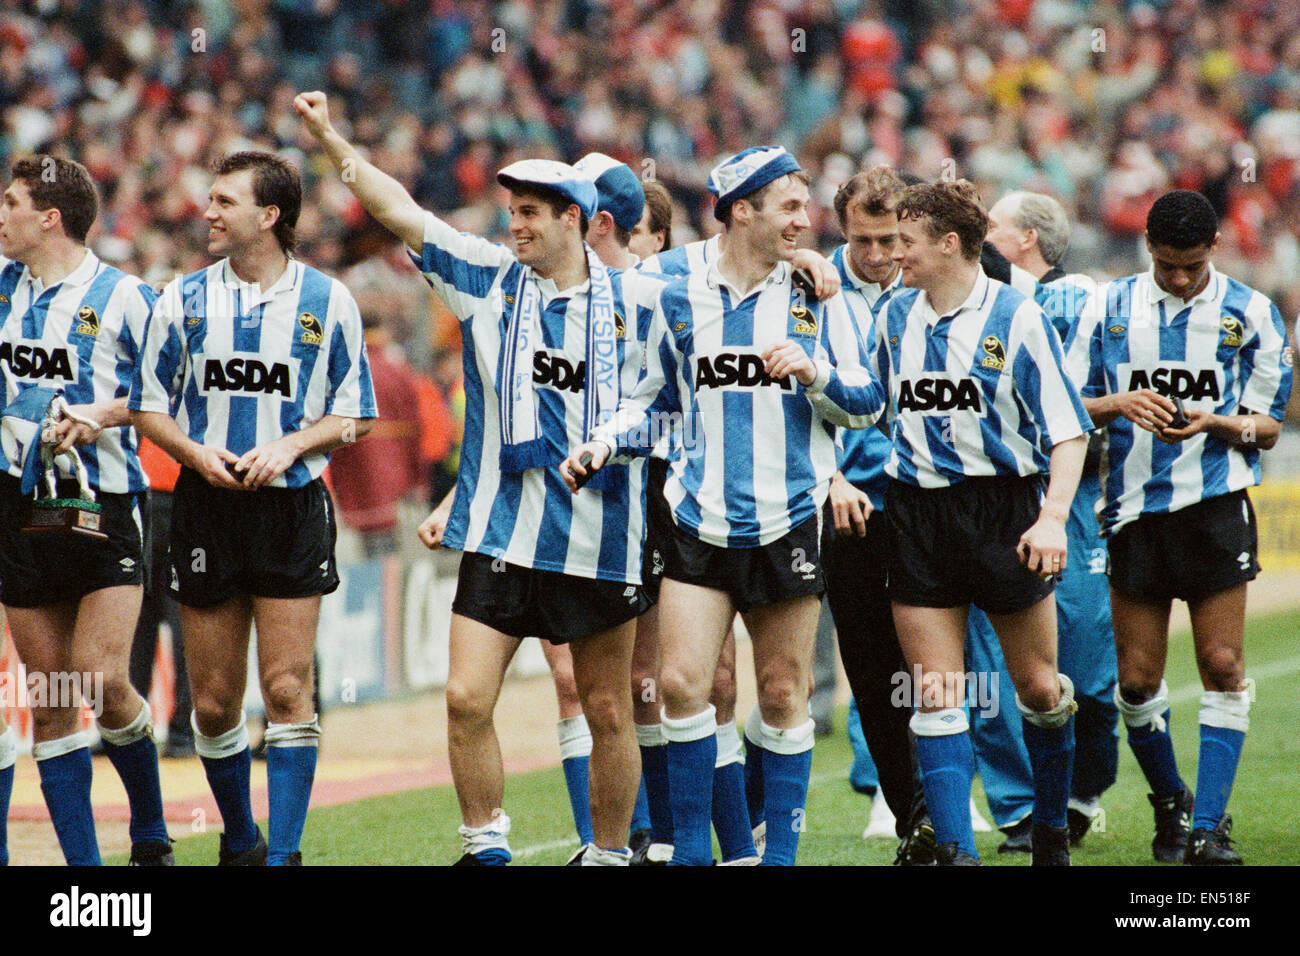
pixel 239 367
pixel 81 335
pixel 1223 352
pixel 530 519
pixel 862 452
pixel 977 392
pixel 678 261
pixel 757 454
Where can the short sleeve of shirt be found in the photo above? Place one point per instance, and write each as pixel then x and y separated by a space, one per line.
pixel 460 267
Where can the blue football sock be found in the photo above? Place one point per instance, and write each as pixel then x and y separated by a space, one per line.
pixel 1051 754
pixel 493 857
pixel 730 815
pixel 290 772
pixel 863 776
pixel 1154 750
pixel 785 794
pixel 754 779
pixel 575 758
pixel 575 779
pixel 947 767
pixel 8 753
pixel 6 788
pixel 641 809
pixel 654 774
pixel 137 764
pixel 65 782
pixel 1215 773
pixel 692 753
pixel 228 778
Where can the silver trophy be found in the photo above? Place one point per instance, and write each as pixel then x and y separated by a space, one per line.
pixel 52 514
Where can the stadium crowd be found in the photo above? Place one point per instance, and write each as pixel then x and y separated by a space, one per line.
pixel 1103 105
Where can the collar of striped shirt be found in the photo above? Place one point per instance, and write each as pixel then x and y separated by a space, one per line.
pixel 1156 294
pixel 780 273
pixel 872 289
pixel 288 282
pixel 978 294
pixel 79 276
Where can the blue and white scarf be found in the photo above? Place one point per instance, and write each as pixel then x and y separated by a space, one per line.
pixel 522 444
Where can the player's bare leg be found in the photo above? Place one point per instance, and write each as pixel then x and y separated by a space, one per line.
pixel 1218 626
pixel 42 637
pixel 479 656
pixel 601 665
pixel 1218 622
pixel 101 642
pixel 216 651
pixel 693 626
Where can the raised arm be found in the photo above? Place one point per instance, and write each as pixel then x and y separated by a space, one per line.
pixel 382 195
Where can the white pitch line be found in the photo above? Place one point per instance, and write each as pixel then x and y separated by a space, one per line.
pixel 1256 672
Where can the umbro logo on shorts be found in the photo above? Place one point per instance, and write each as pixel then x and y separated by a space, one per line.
pixel 629 592
pixel 128 565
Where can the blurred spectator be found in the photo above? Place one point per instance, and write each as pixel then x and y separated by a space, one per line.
pixel 370 477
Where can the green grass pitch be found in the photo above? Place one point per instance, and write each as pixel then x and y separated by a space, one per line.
pixel 419 827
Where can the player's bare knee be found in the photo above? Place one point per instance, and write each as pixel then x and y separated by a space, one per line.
pixel 465 706
pixel 608 713
pixel 1041 692
pixel 780 695
pixel 683 685
pixel 215 714
pixel 51 723
pixel 286 694
pixel 1221 669
pixel 724 686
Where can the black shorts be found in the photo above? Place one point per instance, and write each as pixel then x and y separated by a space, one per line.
pixel 1206 547
pixel 954 546
pixel 523 602
pixel 273 542
pixel 789 567
pixel 658 528
pixel 41 569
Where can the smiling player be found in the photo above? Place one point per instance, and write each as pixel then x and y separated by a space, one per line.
pixel 1175 507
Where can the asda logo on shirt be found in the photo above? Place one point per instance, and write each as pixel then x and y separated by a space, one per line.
pixel 33 362
pixel 247 375
pixel 937 395
pixel 555 371
pixel 736 371
pixel 1173 380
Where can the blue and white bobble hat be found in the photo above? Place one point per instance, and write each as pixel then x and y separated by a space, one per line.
pixel 747 172
pixel 618 190
pixel 561 177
